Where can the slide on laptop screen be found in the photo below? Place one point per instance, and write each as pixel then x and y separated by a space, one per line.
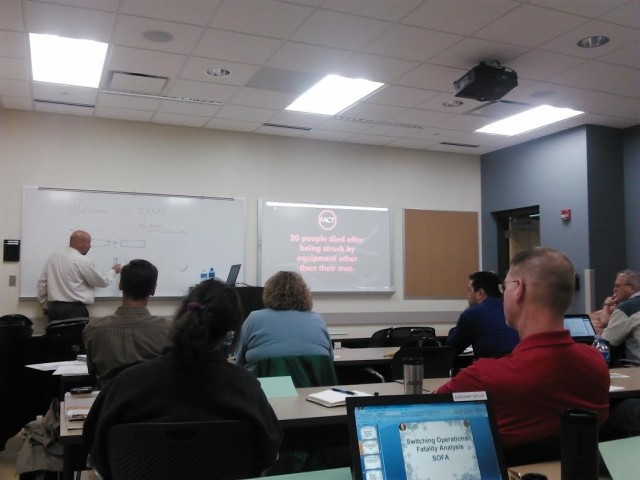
pixel 424 437
pixel 580 327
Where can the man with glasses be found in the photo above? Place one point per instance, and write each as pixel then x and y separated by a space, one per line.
pixel 619 319
pixel 547 371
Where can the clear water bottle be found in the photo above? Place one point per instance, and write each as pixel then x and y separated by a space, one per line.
pixel 602 346
pixel 212 273
pixel 203 275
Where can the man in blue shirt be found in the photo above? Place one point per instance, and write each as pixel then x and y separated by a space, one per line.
pixel 482 325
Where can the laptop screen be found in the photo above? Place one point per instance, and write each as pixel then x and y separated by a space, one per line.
pixel 580 327
pixel 233 274
pixel 424 436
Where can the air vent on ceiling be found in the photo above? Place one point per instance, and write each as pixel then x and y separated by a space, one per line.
pixel 291 127
pixel 164 97
pixel 137 82
pixel 453 144
pixel 379 122
pixel 68 104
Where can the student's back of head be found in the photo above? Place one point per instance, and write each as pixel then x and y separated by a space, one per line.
pixel 138 279
pixel 487 281
pixel 210 311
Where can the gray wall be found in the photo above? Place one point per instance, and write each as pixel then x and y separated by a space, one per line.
pixel 550 172
pixel 607 246
pixel 631 154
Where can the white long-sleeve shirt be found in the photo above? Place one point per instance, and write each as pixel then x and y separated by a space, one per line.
pixel 70 276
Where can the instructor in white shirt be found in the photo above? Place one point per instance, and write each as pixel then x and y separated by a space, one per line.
pixel 68 280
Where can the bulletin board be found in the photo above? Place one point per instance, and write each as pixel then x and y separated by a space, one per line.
pixel 441 249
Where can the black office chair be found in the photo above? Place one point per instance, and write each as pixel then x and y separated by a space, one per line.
pixel 438 361
pixel 218 450
pixel 70 333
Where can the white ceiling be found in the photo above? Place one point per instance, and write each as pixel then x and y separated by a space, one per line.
pixel 276 48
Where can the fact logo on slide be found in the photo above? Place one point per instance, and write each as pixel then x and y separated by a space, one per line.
pixel 327 220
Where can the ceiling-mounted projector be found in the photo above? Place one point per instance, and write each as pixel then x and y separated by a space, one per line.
pixel 486 83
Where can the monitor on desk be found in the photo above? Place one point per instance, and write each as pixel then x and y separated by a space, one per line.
pixel 440 436
pixel 580 328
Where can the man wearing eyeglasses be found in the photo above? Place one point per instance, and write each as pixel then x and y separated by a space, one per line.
pixel 547 371
pixel 620 315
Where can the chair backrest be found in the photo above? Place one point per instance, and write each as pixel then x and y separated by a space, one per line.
pixel 438 361
pixel 304 370
pixel 15 319
pixel 70 332
pixel 218 450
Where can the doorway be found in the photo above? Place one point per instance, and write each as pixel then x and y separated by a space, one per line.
pixel 518 229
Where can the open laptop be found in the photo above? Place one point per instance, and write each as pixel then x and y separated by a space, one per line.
pixel 442 436
pixel 233 274
pixel 580 327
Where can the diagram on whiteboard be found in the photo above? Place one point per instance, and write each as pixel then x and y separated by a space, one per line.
pixel 182 236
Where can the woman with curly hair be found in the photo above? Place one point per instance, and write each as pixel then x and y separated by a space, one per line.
pixel 287 327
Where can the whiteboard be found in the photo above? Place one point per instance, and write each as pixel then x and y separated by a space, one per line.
pixel 180 235
pixel 336 248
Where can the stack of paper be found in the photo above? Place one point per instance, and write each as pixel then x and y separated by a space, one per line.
pixel 76 408
pixel 334 398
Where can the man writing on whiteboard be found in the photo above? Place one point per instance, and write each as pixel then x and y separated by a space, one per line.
pixel 68 280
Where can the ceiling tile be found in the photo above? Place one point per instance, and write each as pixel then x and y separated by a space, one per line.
pixel 196 69
pixel 194 12
pixel 339 30
pixel 69 21
pixel 282 80
pixel 335 124
pixel 371 111
pixel 202 91
pixel 530 26
pixel 130 33
pixel 538 64
pixel 14 68
pixel 182 120
pixel 628 56
pixel 318 134
pixel 370 139
pixel 625 15
pixel 285 132
pixel 135 60
pixel 298 119
pixel 128 102
pixel 11 18
pixel 237 47
pixel 600 76
pixel 400 96
pixel 108 5
pixel 567 43
pixel 123 114
pixel 253 97
pixel 436 103
pixel 17 103
pixel 375 68
pixel 459 16
pixel 412 43
pixel 471 51
pixel 432 77
pixel 382 9
pixel 261 17
pixel 13 44
pixel 424 118
pixel 14 88
pixel 222 124
pixel 247 114
pixel 308 58
pixel 592 8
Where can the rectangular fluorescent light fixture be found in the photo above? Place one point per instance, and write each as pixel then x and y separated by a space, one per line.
pixel 333 94
pixel 66 61
pixel 530 120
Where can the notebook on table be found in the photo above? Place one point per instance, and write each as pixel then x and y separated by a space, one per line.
pixel 580 328
pixel 442 436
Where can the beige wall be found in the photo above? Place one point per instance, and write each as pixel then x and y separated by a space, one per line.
pixel 86 153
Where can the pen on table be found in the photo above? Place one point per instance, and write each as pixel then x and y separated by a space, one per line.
pixel 342 390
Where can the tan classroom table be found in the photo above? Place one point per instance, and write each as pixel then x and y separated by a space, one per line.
pixel 363 357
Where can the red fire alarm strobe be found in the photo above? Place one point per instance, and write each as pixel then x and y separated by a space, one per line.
pixel 565 214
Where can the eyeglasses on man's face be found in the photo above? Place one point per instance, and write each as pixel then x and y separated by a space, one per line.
pixel 620 285
pixel 502 287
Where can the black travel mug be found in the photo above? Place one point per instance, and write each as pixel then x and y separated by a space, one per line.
pixel 578 444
